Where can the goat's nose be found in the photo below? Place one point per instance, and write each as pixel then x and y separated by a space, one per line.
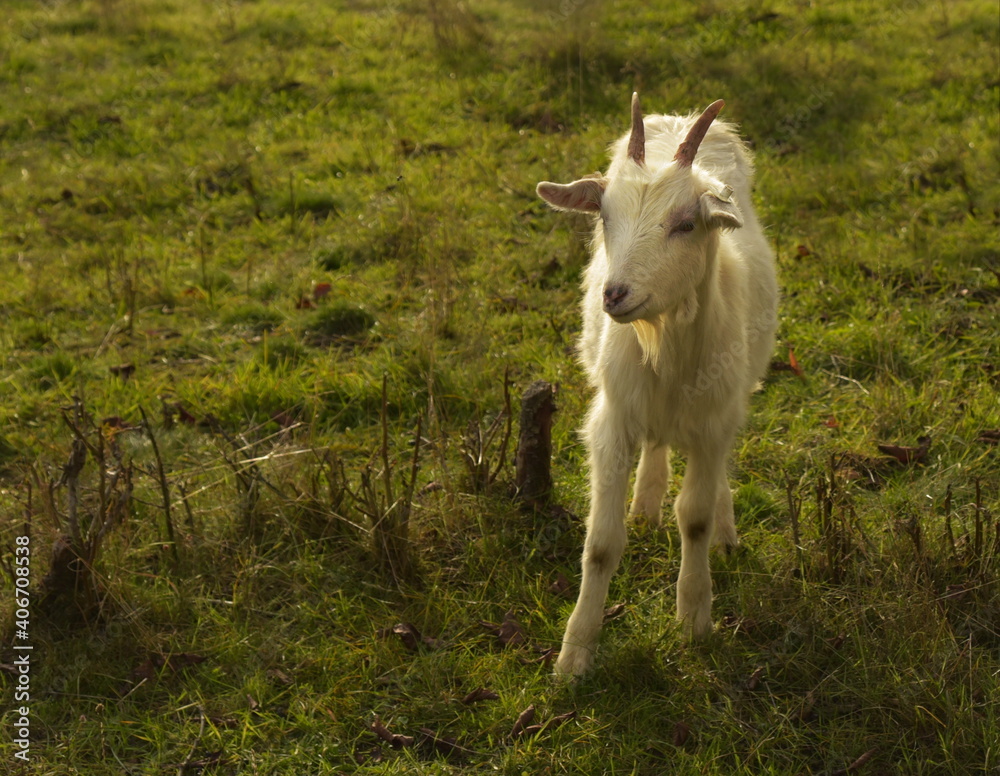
pixel 614 295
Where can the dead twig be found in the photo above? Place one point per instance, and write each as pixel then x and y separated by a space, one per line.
pixel 161 476
pixel 389 515
pixel 477 444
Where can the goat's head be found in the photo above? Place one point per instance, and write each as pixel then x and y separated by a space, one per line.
pixel 658 225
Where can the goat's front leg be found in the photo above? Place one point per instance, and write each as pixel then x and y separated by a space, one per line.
pixel 696 508
pixel 610 459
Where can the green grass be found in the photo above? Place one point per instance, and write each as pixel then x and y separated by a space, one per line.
pixel 238 217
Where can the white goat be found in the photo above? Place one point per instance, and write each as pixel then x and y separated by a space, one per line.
pixel 677 253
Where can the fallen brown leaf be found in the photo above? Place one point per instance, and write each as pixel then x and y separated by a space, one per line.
pixel 524 719
pixel 280 677
pixel 793 362
pixel 857 763
pixel 373 755
pixel 511 633
pixel 479 694
pixel 113 426
pixel 908 455
pixel 681 734
pixel 410 636
pixel 547 657
pixel 614 612
pixel 754 681
pixel 526 727
pixel 737 623
pixel 991 437
pixel 560 586
pixel 791 365
pixel 558 720
pixel 808 707
pixel 445 746
pixel 182 660
pixel 865 470
pixel 431 487
pixel 395 740
pixel 116 423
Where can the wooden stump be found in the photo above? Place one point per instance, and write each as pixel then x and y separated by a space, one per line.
pixel 533 472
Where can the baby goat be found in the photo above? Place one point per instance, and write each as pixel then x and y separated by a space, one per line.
pixel 679 255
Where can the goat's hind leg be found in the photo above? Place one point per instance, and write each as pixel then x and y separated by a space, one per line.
pixel 696 509
pixel 610 458
pixel 724 534
pixel 651 480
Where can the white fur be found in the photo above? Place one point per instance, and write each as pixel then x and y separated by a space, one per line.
pixel 677 369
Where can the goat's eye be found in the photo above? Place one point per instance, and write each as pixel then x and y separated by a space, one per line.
pixel 683 226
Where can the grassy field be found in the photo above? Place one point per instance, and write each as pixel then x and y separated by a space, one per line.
pixel 224 226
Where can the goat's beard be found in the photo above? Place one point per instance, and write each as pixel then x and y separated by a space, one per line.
pixel 649 333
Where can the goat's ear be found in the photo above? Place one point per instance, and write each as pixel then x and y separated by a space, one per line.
pixel 584 195
pixel 720 213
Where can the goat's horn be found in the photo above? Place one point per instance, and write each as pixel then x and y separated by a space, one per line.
pixel 686 150
pixel 637 140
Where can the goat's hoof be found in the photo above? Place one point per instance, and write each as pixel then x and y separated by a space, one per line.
pixel 649 513
pixel 697 627
pixel 646 521
pixel 573 662
pixel 725 537
pixel 699 631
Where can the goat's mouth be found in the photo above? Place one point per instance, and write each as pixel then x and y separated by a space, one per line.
pixel 632 314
